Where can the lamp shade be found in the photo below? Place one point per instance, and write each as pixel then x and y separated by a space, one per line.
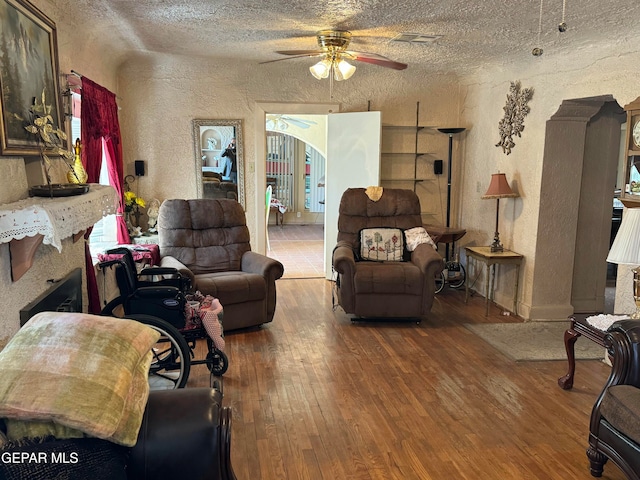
pixel 343 70
pixel 322 69
pixel 626 246
pixel 499 187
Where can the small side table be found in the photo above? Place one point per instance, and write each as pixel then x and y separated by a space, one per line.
pixel 491 259
pixel 579 326
pixel 447 235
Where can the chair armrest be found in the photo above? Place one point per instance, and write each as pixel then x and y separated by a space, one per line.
pixel 268 267
pixel 158 271
pixel 623 341
pixel 427 260
pixel 185 433
pixel 174 263
pixel 344 261
pixel 169 276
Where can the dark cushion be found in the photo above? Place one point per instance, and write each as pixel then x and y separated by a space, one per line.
pixel 233 287
pixel 70 459
pixel 388 278
pixel 621 407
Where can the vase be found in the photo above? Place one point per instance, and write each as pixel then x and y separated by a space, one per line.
pixel 77 174
pixel 130 227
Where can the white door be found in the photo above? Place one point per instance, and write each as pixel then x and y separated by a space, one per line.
pixel 353 160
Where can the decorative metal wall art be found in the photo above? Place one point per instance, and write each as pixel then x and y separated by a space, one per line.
pixel 514 112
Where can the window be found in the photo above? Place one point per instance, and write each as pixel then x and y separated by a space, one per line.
pixel 103 235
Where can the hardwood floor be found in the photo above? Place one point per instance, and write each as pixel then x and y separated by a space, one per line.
pixel 316 396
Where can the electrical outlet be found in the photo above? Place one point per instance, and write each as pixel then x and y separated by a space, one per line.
pixel 252 167
pixel 298 214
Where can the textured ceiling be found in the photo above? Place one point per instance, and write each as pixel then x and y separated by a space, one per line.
pixel 473 32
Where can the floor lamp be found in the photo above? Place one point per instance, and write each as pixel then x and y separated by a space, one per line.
pixel 451 132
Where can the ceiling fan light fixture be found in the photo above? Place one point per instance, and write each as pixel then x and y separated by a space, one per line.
pixel 322 69
pixel 345 69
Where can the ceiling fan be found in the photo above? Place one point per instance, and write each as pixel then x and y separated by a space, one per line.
pixel 333 50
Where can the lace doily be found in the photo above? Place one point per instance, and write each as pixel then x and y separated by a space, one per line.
pixel 55 218
pixel 604 321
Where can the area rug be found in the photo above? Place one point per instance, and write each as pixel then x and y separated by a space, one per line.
pixel 532 341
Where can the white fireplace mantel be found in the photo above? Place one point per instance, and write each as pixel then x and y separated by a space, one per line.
pixel 27 223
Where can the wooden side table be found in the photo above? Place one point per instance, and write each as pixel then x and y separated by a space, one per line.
pixel 579 326
pixel 491 259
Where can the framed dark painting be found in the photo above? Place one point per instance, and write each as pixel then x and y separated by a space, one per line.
pixel 28 67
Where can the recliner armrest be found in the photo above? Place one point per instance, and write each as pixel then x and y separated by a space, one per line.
pixel 253 262
pixel 427 260
pixel 344 261
pixel 174 263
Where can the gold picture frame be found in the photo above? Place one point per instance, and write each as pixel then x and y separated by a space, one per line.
pixel 28 66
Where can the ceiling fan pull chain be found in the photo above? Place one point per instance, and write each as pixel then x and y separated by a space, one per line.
pixel 562 27
pixel 331 83
pixel 537 51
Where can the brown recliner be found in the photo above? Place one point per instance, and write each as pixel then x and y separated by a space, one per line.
pixel 383 288
pixel 208 240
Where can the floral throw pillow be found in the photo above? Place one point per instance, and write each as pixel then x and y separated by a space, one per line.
pixel 381 244
pixel 417 235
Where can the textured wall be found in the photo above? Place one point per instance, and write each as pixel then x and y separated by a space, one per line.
pixel 591 71
pixel 80 51
pixel 162 94
pixel 48 263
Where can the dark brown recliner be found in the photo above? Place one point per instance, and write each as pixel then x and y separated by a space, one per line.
pixel 389 288
pixel 208 240
pixel 614 432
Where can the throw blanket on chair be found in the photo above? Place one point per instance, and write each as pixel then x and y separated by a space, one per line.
pixel 374 193
pixel 72 371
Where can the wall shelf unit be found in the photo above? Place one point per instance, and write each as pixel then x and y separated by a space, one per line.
pixel 408 162
pixel 403 159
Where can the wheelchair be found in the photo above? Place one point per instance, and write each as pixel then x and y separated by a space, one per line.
pixel 160 304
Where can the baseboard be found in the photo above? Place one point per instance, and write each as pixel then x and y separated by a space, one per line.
pixel 550 313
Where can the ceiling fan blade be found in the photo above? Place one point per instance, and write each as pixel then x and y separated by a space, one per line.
pixel 295 56
pixel 377 60
pixel 300 52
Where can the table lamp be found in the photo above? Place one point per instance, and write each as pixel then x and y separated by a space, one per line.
pixel 626 250
pixel 498 188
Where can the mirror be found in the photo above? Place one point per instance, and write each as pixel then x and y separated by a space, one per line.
pixel 216 174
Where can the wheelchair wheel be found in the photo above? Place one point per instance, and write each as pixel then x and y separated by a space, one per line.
pixel 217 362
pixel 171 361
pixel 457 274
pixel 440 281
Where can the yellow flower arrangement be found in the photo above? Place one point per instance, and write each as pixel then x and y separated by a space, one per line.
pixel 132 202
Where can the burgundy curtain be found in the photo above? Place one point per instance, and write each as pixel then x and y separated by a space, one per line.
pixel 99 123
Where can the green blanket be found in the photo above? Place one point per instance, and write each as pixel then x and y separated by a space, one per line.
pixel 76 371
